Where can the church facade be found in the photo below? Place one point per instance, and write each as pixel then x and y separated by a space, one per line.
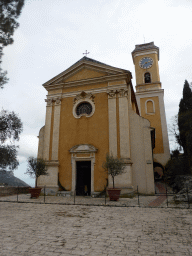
pixel 92 110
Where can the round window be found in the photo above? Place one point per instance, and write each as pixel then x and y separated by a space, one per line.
pixel 84 108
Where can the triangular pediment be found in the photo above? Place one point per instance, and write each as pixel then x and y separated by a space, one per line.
pixel 84 69
pixel 83 72
pixel 83 148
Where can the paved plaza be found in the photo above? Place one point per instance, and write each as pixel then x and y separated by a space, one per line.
pixel 52 230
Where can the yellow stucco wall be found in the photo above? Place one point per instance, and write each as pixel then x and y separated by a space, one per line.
pixel 155 120
pixel 154 70
pixel 85 130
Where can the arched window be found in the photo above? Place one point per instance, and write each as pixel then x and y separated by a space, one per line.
pixel 150 107
pixel 147 77
pixel 84 108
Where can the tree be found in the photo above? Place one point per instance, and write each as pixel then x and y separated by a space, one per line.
pixel 36 167
pixel 10 124
pixel 184 136
pixel 114 166
pixel 10 130
pixel 9 13
pixel 181 163
pixel 174 168
pixel 185 116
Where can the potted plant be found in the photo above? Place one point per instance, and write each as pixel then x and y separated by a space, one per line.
pixel 115 166
pixel 36 167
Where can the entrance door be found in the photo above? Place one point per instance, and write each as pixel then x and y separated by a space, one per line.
pixel 83 178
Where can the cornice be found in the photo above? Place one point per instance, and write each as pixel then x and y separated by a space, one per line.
pixel 85 63
pixel 91 91
pixel 94 80
pixel 150 93
pixel 153 83
pixel 52 163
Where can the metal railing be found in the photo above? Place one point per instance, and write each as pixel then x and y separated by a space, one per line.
pixel 134 199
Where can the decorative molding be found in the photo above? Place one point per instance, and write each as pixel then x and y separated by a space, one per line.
pixel 84 96
pixel 123 92
pixel 152 93
pixel 127 161
pixel 95 91
pixel 83 148
pixel 51 100
pixel 90 81
pixel 52 163
pixel 58 101
pixel 112 94
pixel 81 101
pixel 89 64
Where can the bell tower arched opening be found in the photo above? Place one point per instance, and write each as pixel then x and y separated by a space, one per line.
pixel 147 78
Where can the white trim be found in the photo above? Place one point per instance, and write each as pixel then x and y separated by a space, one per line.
pixel 161 157
pixel 124 127
pixel 80 149
pixel 144 94
pixel 56 125
pixel 86 63
pixel 164 130
pixel 95 91
pixel 90 81
pixel 112 124
pixel 47 131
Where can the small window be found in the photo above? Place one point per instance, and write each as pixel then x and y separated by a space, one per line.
pixel 147 77
pixel 84 108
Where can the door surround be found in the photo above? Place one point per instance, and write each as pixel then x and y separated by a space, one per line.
pixel 82 152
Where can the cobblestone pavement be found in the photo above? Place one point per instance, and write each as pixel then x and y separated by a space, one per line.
pixel 52 230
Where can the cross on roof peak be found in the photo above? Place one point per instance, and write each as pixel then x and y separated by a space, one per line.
pixel 86 53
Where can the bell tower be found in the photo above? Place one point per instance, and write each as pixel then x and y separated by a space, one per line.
pixel 150 97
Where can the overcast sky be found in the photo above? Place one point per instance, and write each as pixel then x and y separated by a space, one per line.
pixel 53 35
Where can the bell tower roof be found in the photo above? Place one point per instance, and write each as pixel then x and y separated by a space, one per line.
pixel 141 49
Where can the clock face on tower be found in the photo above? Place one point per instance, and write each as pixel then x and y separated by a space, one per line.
pixel 146 62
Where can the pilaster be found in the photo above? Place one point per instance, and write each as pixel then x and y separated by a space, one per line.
pixel 124 124
pixel 56 124
pixel 112 122
pixel 47 129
